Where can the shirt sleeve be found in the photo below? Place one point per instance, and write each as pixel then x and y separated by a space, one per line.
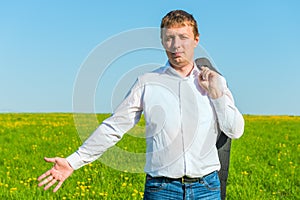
pixel 111 130
pixel 230 120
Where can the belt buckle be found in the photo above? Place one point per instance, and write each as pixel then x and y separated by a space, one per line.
pixel 182 180
pixel 186 179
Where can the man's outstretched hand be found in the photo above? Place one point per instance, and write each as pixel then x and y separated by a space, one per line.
pixel 58 173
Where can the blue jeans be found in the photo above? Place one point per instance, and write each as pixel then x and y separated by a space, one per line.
pixel 160 189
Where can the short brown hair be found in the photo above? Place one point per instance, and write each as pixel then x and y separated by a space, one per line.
pixel 179 18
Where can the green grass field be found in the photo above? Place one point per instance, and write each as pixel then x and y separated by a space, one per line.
pixel 264 162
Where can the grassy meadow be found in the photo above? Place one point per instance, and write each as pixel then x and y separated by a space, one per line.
pixel 264 162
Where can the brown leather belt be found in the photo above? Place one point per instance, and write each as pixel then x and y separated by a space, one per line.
pixel 182 180
pixel 186 179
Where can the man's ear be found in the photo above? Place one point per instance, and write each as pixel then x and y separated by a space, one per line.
pixel 197 40
pixel 162 41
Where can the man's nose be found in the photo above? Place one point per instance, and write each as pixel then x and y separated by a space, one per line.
pixel 176 43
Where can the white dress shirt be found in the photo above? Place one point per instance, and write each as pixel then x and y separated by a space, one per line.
pixel 182 124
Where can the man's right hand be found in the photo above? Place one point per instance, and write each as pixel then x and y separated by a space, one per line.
pixel 59 172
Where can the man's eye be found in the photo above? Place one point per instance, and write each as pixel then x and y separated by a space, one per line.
pixel 168 39
pixel 183 37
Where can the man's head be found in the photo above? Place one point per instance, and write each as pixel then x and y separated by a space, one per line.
pixel 179 36
pixel 179 18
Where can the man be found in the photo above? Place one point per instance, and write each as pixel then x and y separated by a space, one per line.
pixel 184 108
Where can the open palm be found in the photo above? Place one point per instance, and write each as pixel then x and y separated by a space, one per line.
pixel 58 173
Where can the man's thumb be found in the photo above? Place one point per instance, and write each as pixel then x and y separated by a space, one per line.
pixel 49 159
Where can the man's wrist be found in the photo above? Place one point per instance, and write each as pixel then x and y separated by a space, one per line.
pixel 215 94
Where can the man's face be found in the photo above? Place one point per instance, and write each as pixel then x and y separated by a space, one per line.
pixel 179 43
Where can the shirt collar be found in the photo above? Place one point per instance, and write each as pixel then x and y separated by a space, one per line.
pixel 168 69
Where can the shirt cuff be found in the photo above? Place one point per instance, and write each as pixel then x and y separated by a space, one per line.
pixel 75 161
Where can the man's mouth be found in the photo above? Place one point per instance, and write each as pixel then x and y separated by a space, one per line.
pixel 177 54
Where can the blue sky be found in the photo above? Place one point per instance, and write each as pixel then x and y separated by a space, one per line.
pixel 44 44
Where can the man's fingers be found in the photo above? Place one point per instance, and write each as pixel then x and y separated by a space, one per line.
pixel 50 184
pixel 48 179
pixel 58 186
pixel 58 173
pixel 47 173
pixel 204 73
pixel 41 177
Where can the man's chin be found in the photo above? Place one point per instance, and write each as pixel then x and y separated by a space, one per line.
pixel 176 64
pixel 177 61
